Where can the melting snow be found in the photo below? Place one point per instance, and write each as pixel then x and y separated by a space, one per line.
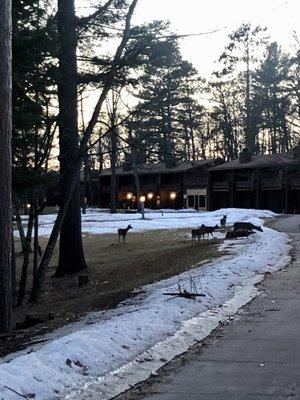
pixel 109 351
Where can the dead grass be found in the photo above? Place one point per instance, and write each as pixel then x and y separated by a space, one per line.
pixel 114 271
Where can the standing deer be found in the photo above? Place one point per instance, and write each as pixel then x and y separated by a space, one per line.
pixel 223 221
pixel 197 233
pixel 123 232
pixel 208 230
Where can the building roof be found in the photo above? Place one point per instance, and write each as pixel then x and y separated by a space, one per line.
pixel 261 161
pixel 160 168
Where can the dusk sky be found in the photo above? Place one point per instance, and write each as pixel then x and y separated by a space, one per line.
pixel 281 17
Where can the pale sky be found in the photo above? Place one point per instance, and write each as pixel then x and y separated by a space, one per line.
pixel 281 17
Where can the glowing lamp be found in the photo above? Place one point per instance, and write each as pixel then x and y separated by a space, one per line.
pixel 129 196
pixel 28 205
pixel 173 195
pixel 142 199
pixel 150 196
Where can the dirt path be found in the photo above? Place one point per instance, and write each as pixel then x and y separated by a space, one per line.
pixel 114 271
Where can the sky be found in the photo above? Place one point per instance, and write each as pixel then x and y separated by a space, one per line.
pixel 281 17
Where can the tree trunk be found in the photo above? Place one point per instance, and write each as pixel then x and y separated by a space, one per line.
pixel 13 269
pixel 5 167
pixel 19 224
pixel 113 178
pixel 35 234
pixel 71 254
pixel 250 139
pixel 24 273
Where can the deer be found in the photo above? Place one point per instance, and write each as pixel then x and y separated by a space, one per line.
pixel 223 221
pixel 210 229
pixel 238 233
pixel 247 226
pixel 123 232
pixel 198 232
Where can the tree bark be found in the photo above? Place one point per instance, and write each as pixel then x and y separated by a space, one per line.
pixel 5 167
pixel 71 254
pixel 113 177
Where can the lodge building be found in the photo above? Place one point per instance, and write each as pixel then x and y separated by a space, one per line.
pixel 264 182
pixel 164 185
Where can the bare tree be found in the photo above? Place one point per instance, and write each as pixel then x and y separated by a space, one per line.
pixel 71 179
pixel 5 167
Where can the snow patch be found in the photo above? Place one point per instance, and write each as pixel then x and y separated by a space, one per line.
pixel 109 351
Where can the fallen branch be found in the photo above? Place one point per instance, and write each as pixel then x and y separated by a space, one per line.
pixel 14 391
pixel 185 294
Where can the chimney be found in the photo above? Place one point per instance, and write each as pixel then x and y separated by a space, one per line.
pixel 245 156
pixel 296 151
pixel 127 166
pixel 170 161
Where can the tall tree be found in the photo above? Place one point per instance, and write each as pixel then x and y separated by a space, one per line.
pixel 239 58
pixel 72 179
pixel 71 254
pixel 5 167
pixel 272 99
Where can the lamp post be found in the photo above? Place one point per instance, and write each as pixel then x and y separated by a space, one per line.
pixel 150 197
pixel 129 197
pixel 142 200
pixel 28 208
pixel 173 196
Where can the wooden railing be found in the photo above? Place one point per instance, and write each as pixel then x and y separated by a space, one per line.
pixel 196 182
pixel 105 189
pixel 244 185
pixel 221 186
pixel 149 187
pixel 127 188
pixel 173 186
pixel 295 183
pixel 271 183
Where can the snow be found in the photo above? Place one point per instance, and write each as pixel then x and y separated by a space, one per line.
pixel 97 221
pixel 117 348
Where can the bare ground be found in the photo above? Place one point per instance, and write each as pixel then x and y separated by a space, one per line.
pixel 114 271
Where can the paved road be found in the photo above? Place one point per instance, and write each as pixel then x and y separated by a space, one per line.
pixel 256 357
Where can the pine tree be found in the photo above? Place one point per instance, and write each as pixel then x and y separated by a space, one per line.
pixel 5 168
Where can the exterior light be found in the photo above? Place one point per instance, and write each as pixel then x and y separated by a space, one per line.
pixel 28 205
pixel 129 196
pixel 150 196
pixel 142 199
pixel 173 195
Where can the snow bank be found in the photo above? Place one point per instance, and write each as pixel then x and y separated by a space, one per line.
pixel 99 222
pixel 111 350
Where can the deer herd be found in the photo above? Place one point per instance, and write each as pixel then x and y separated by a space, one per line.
pixel 240 229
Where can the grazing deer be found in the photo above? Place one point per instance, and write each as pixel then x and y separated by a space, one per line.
pixel 247 226
pixel 208 230
pixel 223 221
pixel 197 233
pixel 123 232
pixel 238 233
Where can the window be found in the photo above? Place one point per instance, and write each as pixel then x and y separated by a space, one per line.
pixel 191 201
pixel 202 201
